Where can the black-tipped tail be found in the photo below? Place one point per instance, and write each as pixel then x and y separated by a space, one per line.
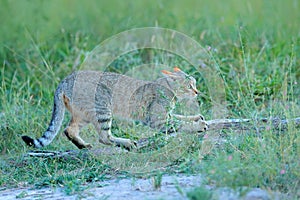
pixel 28 140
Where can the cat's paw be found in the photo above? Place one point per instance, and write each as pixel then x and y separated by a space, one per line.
pixel 202 125
pixel 199 117
pixel 84 146
pixel 88 146
pixel 129 145
pixel 132 146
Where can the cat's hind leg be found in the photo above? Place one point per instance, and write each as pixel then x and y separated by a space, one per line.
pixel 103 127
pixel 72 133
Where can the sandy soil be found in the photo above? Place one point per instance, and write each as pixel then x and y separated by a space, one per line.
pixel 114 189
pixel 172 187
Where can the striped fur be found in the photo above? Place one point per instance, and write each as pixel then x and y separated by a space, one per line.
pixel 95 97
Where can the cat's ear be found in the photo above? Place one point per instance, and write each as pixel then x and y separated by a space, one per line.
pixel 176 69
pixel 165 72
pixel 169 74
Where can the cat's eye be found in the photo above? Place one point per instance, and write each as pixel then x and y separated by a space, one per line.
pixel 190 87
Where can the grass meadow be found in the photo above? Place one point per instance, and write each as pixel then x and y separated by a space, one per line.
pixel 255 44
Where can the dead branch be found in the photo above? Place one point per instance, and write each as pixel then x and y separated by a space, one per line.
pixel 242 124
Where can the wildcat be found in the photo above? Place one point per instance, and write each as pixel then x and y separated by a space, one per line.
pixel 96 97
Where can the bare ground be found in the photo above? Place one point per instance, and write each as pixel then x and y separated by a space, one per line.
pixel 172 187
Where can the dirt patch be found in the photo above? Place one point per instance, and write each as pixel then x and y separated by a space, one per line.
pixel 172 187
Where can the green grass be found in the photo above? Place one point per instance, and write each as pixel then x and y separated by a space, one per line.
pixel 255 47
pixel 199 193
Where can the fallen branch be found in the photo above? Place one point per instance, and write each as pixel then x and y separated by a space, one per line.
pixel 242 124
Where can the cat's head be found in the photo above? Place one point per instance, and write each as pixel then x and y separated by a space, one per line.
pixel 182 84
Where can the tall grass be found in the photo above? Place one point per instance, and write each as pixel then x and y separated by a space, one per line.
pixel 255 43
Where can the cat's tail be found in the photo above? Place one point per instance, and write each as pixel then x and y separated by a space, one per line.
pixel 55 123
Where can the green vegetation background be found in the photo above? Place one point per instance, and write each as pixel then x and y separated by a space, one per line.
pixel 257 49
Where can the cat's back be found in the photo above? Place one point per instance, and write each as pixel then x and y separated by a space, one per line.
pixel 125 96
pixel 86 88
pixel 81 84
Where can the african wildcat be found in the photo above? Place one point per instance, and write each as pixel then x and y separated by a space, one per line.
pixel 95 97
